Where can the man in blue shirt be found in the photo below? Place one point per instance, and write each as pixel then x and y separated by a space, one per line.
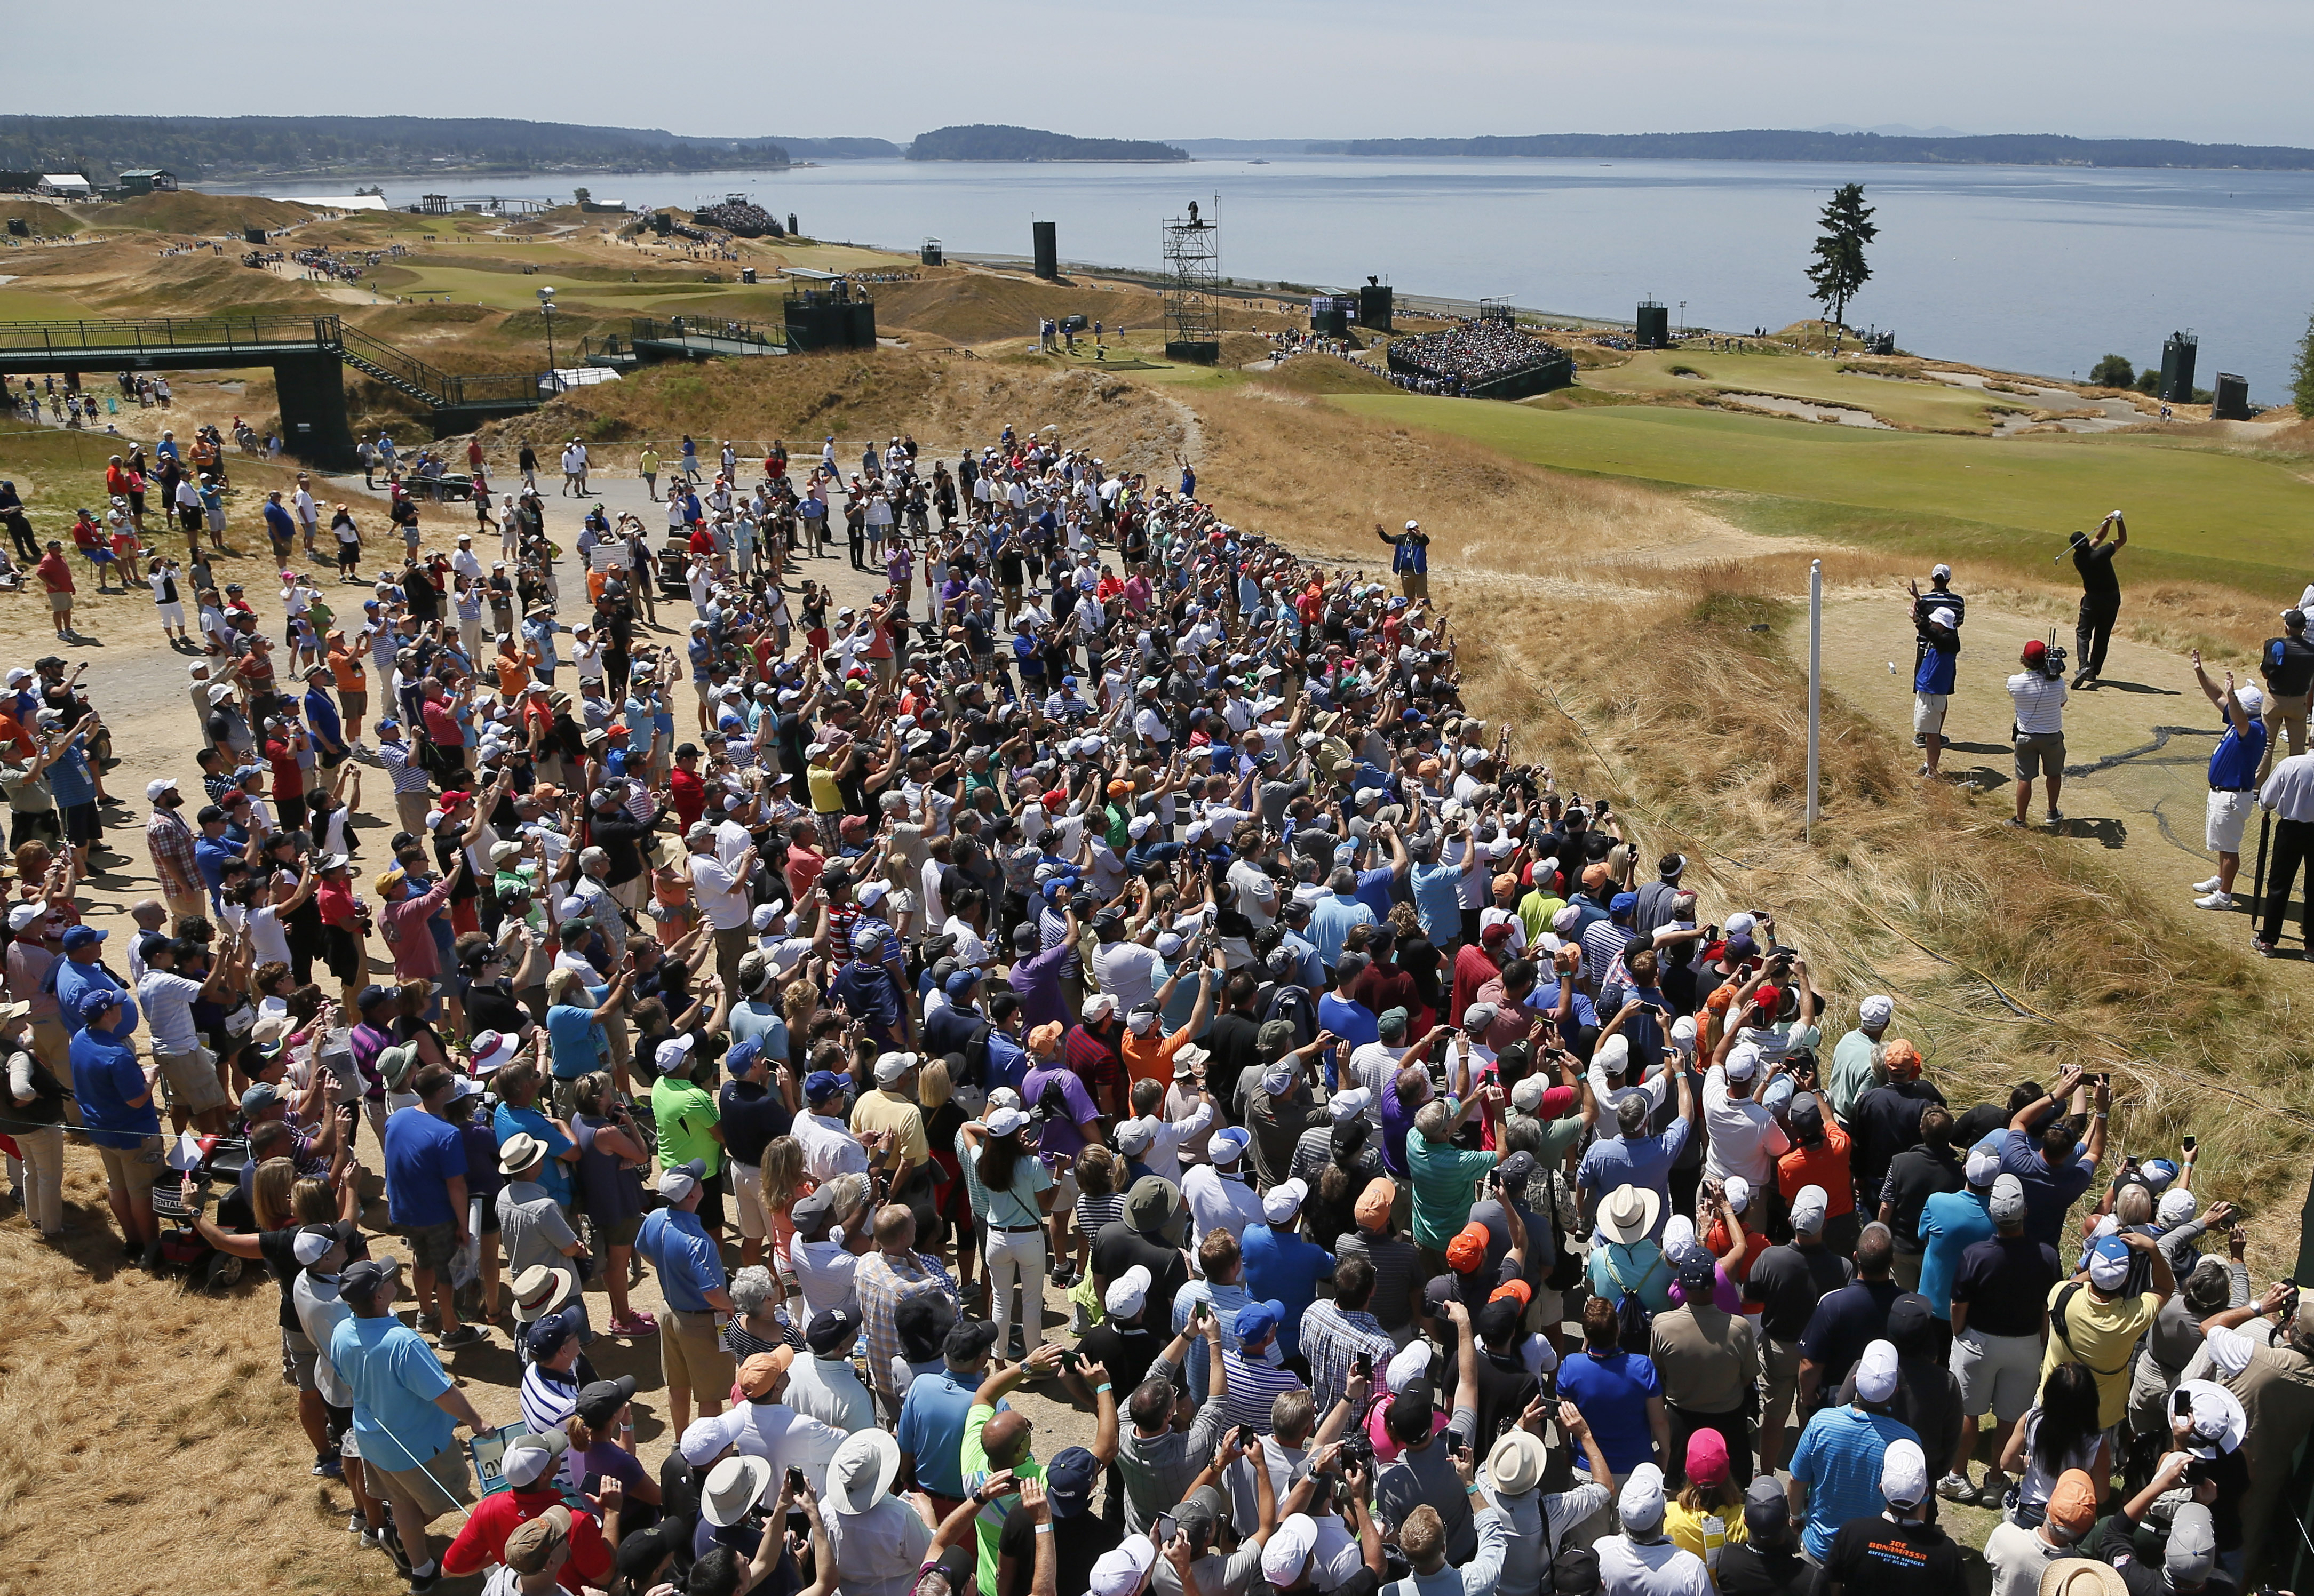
pixel 80 972
pixel 212 849
pixel 1932 686
pixel 329 732
pixel 426 1196
pixel 115 1105
pixel 406 1410
pixel 1343 1014
pixel 1333 918
pixel 1632 1159
pixel 1951 1222
pixel 1281 1267
pixel 691 1273
pixel 2234 766
pixel 2045 1160
pixel 1836 1466
pixel 930 1430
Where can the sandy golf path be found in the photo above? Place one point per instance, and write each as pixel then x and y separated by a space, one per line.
pixel 2137 744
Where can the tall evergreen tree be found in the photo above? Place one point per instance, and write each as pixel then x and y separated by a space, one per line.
pixel 2302 386
pixel 1838 271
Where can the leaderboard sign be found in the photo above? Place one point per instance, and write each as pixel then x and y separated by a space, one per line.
pixel 1332 313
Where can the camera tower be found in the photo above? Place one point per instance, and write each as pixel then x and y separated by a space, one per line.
pixel 1193 274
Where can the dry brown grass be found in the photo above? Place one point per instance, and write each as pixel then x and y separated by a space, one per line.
pixel 938 398
pixel 189 212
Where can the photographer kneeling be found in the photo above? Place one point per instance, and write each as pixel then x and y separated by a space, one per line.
pixel 2038 691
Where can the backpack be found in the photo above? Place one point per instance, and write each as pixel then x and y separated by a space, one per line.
pixel 1053 1103
pixel 2073 1289
pixel 1634 1324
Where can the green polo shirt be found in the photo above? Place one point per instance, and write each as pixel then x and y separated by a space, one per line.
pixel 990 1519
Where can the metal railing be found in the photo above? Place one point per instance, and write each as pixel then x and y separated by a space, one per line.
pixel 677 328
pixel 160 332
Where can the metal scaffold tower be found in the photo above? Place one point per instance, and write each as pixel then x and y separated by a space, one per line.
pixel 1193 268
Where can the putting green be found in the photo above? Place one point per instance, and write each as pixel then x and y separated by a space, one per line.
pixel 1900 403
pixel 2193 513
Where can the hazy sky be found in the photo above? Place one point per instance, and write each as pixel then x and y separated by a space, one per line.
pixel 2232 71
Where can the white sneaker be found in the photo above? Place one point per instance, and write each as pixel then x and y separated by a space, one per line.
pixel 2211 885
pixel 2216 900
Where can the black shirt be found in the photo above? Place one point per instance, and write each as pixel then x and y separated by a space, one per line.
pixel 1126 1352
pixel 1787 1282
pixel 1504 1388
pixel 2005 1281
pixel 1884 1122
pixel 1078 1542
pixel 1749 1571
pixel 1844 1323
pixel 2095 562
pixel 492 1008
pixel 1232 1042
pixel 276 1248
pixel 1979 1123
pixel 1891 1559
pixel 1914 1176
pixel 1119 1247
pixel 752 1118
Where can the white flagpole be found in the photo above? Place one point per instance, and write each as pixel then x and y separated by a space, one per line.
pixel 1815 684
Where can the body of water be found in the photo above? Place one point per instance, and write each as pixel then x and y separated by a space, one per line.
pixel 2035 269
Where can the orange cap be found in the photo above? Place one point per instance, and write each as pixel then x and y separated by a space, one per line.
pixel 2073 1504
pixel 1903 1059
pixel 760 1375
pixel 1375 1202
pixel 1513 1290
pixel 1468 1250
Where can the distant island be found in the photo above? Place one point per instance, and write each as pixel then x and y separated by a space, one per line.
pixel 101 148
pixel 1997 149
pixel 984 142
pixel 837 149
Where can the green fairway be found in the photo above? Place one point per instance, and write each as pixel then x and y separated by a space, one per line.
pixel 33 305
pixel 1900 403
pixel 514 291
pixel 2192 512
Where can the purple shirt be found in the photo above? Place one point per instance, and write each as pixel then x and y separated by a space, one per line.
pixel 1059 1137
pixel 1725 1294
pixel 1038 981
pixel 1397 1119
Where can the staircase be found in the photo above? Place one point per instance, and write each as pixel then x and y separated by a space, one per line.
pixel 455 398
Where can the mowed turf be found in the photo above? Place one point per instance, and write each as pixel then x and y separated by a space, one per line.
pixel 1936 407
pixel 34 305
pixel 2193 513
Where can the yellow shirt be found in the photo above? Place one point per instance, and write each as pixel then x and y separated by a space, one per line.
pixel 887 1110
pixel 1685 1528
pixel 2102 1335
pixel 827 797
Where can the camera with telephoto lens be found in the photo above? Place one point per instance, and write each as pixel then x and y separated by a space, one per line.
pixel 2052 663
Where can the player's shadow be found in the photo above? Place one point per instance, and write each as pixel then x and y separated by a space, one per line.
pixel 1952 748
pixel 2112 833
pixel 2141 687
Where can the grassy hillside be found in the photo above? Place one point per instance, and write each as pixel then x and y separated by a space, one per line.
pixel 1921 405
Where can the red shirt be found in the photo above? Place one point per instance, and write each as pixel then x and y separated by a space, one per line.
pixel 1093 1058
pixel 1472 970
pixel 687 794
pixel 804 865
pixel 483 1538
pixel 441 725
pixel 289 780
pixel 56 576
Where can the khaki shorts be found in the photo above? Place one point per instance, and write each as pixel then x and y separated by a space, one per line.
pixel 2038 749
pixel 442 1486
pixel 298 1358
pixel 132 1171
pixel 1928 712
pixel 692 1357
pixel 60 603
pixel 1999 1374
pixel 431 1246
pixel 748 1187
pixel 1779 1374
pixel 2223 820
pixel 189 1080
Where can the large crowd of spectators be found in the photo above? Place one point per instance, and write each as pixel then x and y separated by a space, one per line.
pixel 1115 921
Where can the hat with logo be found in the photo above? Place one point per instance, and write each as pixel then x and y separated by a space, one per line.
pixel 2007 1203
pixel 1641 1504
pixel 528 1458
pixel 2108 1263
pixel 1875 1372
pixel 1123 1570
pixel 1904 1474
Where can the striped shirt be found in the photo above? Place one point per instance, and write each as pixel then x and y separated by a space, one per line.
pixel 547 1400
pixel 1094 1211
pixel 1254 1384
pixel 395 758
pixel 1331 1340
